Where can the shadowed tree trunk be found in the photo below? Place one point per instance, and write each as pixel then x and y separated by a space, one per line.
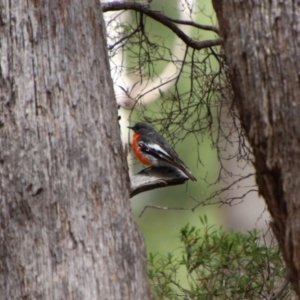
pixel 262 47
pixel 66 226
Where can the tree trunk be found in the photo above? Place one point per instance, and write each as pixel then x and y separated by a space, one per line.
pixel 262 47
pixel 66 226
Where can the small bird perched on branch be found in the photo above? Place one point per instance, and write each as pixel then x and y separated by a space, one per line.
pixel 151 149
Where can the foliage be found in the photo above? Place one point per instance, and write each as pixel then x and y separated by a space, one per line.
pixel 219 265
pixel 169 69
pixel 195 65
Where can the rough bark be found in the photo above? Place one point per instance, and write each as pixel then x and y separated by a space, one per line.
pixel 262 47
pixel 66 230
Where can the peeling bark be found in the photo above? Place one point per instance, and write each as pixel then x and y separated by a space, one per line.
pixel 153 178
pixel 66 230
pixel 262 47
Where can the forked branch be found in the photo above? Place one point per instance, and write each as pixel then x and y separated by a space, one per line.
pixel 168 22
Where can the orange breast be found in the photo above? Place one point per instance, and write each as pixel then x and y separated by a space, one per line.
pixel 138 153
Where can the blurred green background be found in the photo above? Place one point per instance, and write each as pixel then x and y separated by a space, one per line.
pixel 151 54
pixel 160 227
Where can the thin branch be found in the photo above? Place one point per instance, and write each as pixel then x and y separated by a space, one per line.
pixel 197 25
pixel 153 178
pixel 163 208
pixel 159 17
pixel 126 37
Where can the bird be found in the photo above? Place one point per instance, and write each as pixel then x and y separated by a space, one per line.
pixel 151 149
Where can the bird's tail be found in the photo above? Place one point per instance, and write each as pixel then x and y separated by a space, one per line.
pixel 184 169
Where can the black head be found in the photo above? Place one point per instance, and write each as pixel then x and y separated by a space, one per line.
pixel 142 128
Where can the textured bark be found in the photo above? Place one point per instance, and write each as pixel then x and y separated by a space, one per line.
pixel 262 47
pixel 66 230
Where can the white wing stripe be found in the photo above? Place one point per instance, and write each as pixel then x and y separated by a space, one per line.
pixel 158 148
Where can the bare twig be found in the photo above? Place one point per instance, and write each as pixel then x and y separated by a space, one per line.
pixel 124 38
pixel 163 208
pixel 168 22
pixel 194 24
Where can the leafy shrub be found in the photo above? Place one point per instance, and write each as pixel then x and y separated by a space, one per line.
pixel 219 265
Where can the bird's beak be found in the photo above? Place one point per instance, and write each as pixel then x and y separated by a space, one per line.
pixel 130 127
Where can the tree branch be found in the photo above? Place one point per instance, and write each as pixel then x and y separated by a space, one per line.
pixel 153 178
pixel 197 25
pixel 168 22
